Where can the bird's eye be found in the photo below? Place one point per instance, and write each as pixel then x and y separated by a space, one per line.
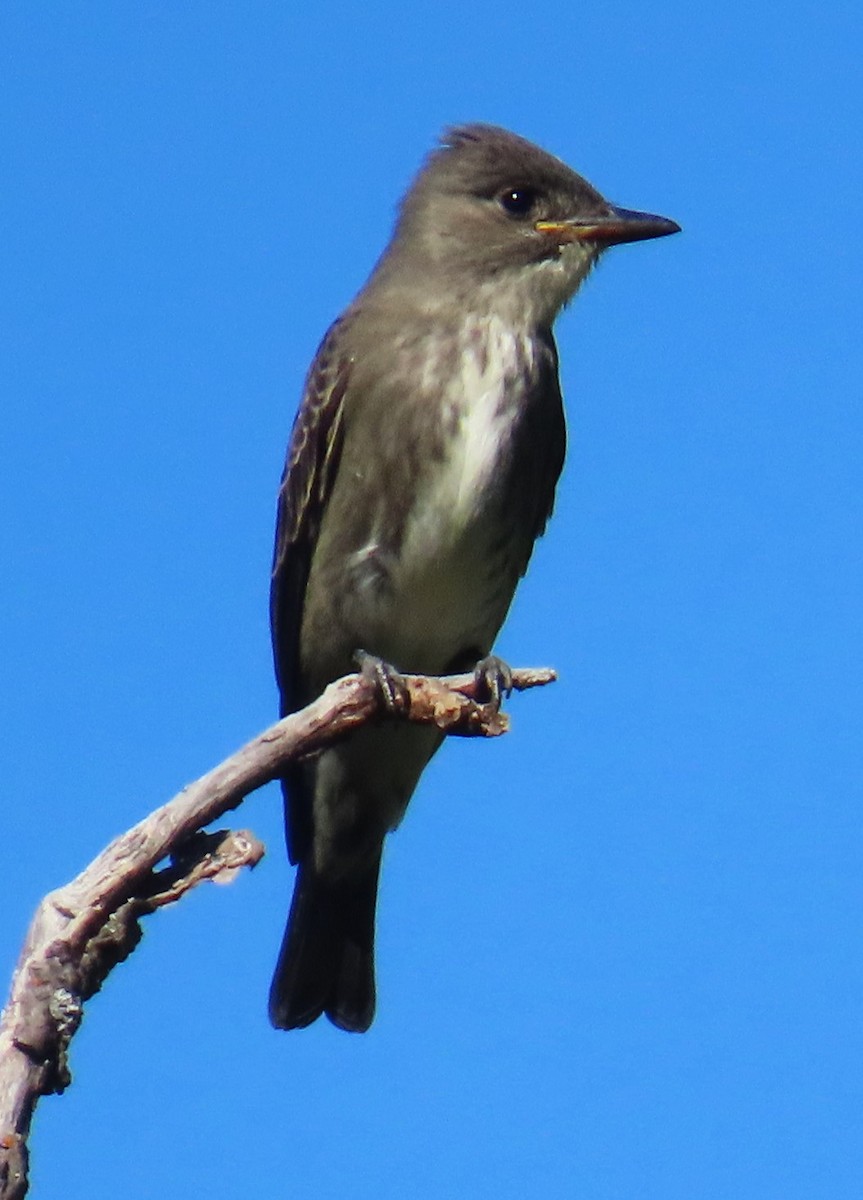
pixel 518 201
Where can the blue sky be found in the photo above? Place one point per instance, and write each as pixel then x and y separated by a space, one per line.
pixel 619 951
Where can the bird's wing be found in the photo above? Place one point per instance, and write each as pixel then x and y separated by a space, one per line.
pixel 541 445
pixel 307 482
pixel 310 468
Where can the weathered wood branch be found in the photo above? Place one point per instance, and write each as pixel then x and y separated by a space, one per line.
pixel 81 931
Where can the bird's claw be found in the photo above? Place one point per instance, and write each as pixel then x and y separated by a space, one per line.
pixel 493 680
pixel 390 686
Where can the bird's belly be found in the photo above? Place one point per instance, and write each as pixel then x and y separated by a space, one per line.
pixel 454 605
pixel 449 586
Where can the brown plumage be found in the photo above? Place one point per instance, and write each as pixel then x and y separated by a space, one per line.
pixel 421 469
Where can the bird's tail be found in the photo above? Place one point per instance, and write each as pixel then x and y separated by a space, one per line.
pixel 326 963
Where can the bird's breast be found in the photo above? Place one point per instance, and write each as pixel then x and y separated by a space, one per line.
pixel 451 579
pixel 479 405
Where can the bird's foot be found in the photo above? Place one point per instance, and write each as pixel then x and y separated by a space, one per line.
pixel 493 680
pixel 390 686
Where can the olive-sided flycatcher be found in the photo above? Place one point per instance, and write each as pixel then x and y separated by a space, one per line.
pixel 421 469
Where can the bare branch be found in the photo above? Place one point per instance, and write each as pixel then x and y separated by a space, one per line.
pixel 81 931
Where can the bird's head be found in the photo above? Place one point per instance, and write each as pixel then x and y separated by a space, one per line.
pixel 490 212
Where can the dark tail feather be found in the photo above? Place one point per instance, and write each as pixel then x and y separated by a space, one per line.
pixel 326 963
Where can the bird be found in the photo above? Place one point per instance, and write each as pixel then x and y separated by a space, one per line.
pixel 420 470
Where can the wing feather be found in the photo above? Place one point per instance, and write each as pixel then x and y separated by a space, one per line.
pixel 312 461
pixel 310 469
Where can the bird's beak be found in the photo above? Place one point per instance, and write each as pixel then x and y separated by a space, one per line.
pixel 618 225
